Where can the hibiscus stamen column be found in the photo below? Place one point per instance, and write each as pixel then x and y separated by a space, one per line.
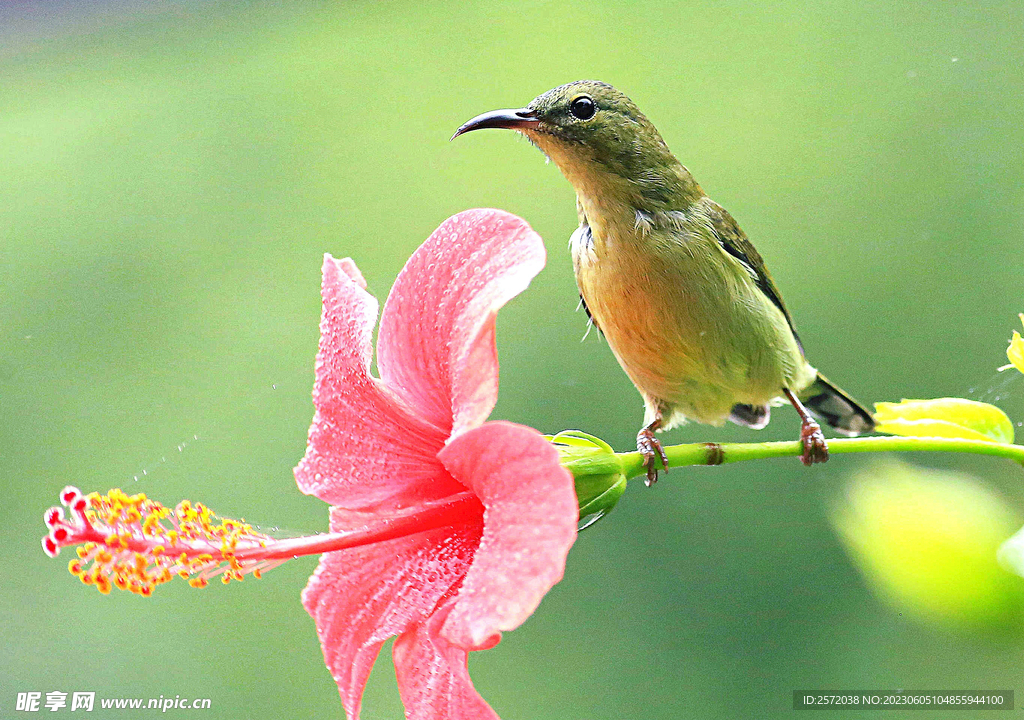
pixel 134 543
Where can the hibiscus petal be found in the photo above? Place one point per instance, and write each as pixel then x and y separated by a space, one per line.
pixel 436 348
pixel 360 597
pixel 366 449
pixel 530 514
pixel 433 677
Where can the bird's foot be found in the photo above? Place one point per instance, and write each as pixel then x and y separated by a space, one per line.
pixel 815 447
pixel 650 447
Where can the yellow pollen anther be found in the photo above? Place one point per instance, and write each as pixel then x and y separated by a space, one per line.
pixel 144 544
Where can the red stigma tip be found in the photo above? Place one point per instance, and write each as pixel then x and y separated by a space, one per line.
pixel 53 516
pixel 59 534
pixel 50 547
pixel 69 494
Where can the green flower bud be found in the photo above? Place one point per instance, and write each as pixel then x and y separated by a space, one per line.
pixel 926 541
pixel 600 480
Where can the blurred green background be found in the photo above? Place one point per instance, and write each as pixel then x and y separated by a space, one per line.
pixel 172 173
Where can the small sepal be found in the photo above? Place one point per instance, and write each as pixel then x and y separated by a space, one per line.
pixel 597 471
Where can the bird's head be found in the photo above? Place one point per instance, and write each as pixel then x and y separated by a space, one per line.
pixel 596 135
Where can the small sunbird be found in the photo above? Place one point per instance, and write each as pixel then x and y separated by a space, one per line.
pixel 665 273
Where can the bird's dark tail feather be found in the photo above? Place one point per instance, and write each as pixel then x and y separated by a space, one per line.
pixel 751 416
pixel 836 408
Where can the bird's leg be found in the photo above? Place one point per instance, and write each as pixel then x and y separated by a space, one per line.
pixel 649 446
pixel 815 447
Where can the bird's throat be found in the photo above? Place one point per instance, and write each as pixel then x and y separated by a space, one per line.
pixel 609 187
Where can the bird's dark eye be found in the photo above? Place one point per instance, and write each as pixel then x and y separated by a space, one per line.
pixel 582 107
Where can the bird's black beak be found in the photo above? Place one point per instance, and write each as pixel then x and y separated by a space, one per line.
pixel 509 119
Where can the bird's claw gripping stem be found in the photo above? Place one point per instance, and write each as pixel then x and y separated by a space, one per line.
pixel 811 437
pixel 650 447
pixel 815 447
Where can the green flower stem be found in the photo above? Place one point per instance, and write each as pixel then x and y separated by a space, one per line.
pixel 720 453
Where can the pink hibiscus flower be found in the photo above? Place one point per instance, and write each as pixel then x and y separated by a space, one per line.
pixel 417 439
pixel 445 529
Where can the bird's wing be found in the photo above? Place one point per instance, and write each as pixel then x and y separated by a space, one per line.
pixel 735 242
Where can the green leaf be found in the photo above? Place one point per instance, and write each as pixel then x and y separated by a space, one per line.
pixel 597 497
pixel 944 417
